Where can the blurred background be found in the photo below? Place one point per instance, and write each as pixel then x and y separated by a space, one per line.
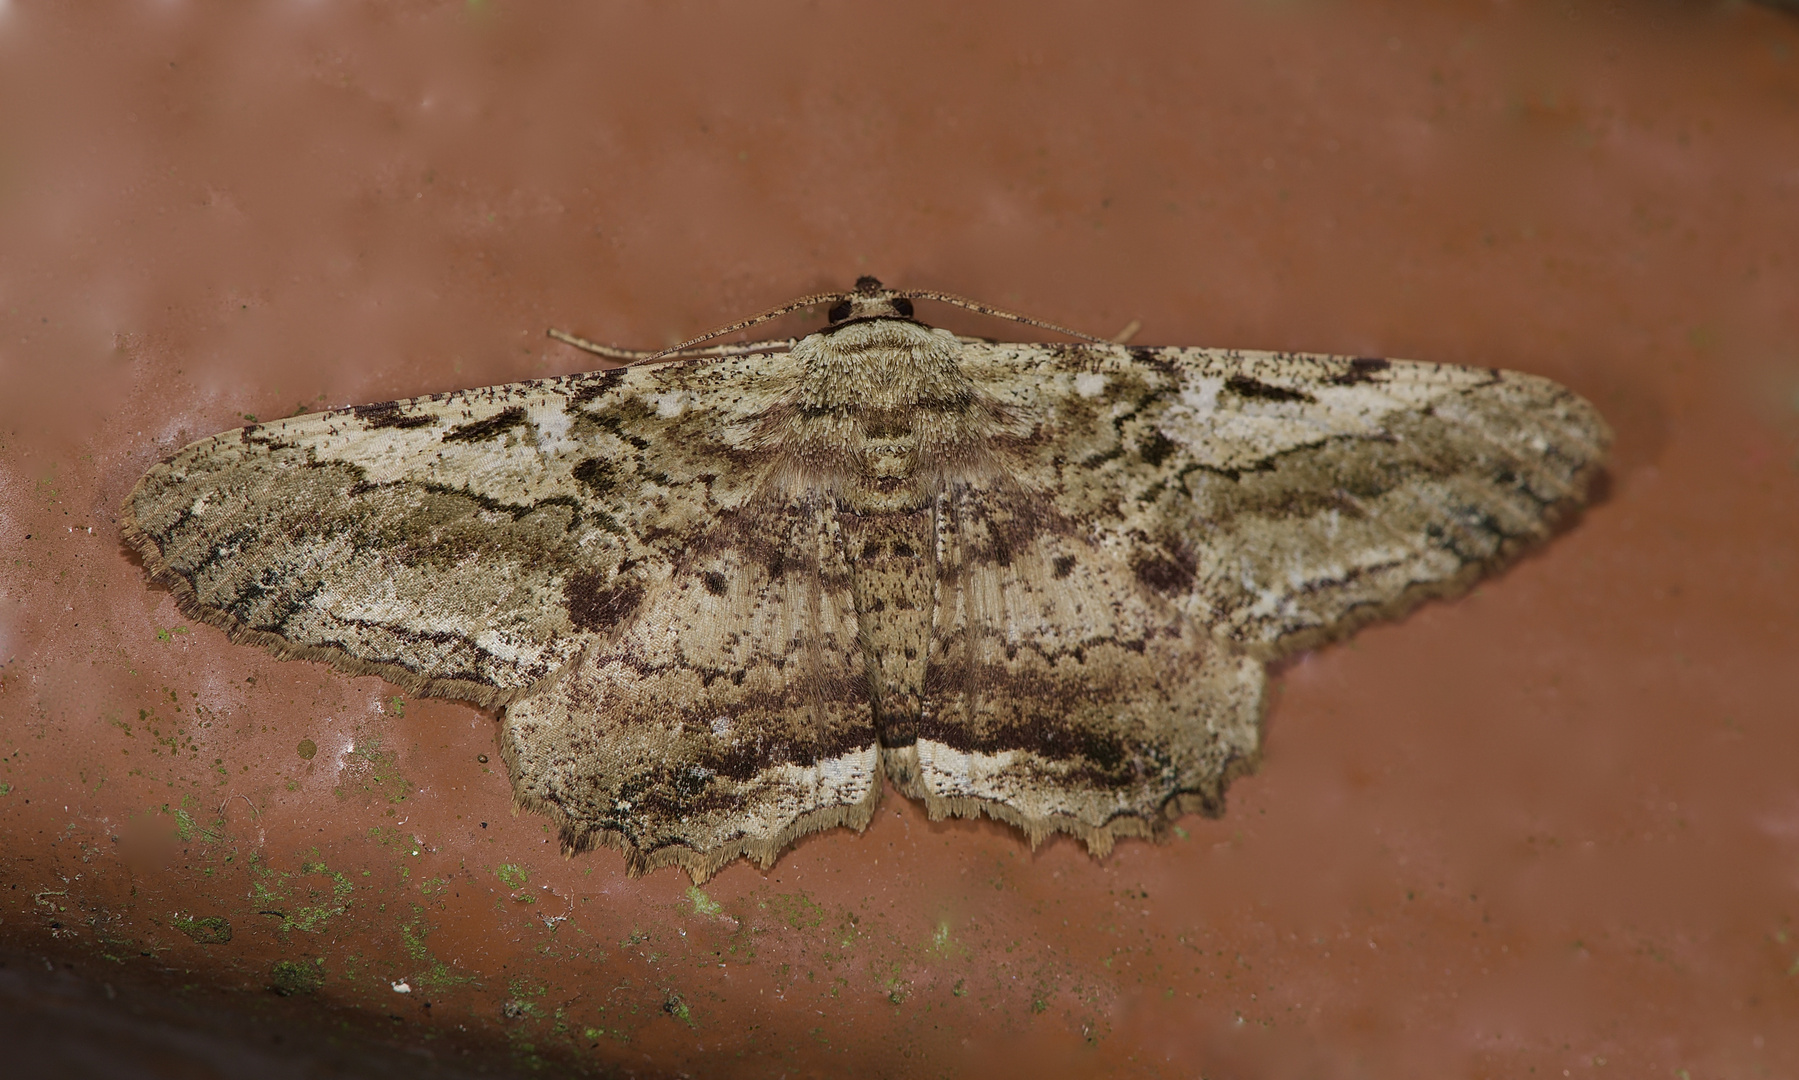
pixel 1550 828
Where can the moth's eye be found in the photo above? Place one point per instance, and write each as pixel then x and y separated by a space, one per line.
pixel 903 306
pixel 839 312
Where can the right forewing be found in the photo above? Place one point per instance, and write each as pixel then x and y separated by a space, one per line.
pixel 1281 499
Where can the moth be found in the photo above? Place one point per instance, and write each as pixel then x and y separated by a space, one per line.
pixel 718 595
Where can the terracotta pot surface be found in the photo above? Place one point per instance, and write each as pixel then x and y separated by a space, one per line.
pixel 1549 828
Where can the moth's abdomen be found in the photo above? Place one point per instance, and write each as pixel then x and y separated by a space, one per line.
pixel 893 578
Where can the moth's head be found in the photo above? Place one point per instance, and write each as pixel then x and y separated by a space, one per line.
pixel 870 300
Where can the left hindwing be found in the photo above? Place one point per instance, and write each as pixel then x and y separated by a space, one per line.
pixel 729 717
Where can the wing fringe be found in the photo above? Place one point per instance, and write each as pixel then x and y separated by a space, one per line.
pixel 699 865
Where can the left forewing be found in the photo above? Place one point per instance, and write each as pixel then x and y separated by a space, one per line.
pixel 466 545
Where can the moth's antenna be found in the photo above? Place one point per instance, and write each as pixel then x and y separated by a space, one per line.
pixel 984 309
pixel 638 356
pixel 744 324
pixel 610 352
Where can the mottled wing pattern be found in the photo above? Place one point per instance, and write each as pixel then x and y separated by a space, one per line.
pixel 718 599
pixel 465 545
pixel 1062 694
pixel 729 717
pixel 1281 500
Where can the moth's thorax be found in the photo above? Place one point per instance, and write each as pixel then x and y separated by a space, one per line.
pixel 882 413
pixel 880 364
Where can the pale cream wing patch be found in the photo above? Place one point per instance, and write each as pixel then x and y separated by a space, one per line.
pixel 729 717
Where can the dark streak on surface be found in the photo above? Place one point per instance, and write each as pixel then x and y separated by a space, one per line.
pixel 594 604
pixel 593 384
pixel 1362 369
pixel 596 475
pixel 1169 573
pixel 494 425
pixel 1155 448
pixel 1245 387
pixel 387 414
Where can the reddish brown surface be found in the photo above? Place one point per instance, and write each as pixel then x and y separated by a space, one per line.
pixel 1550 827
